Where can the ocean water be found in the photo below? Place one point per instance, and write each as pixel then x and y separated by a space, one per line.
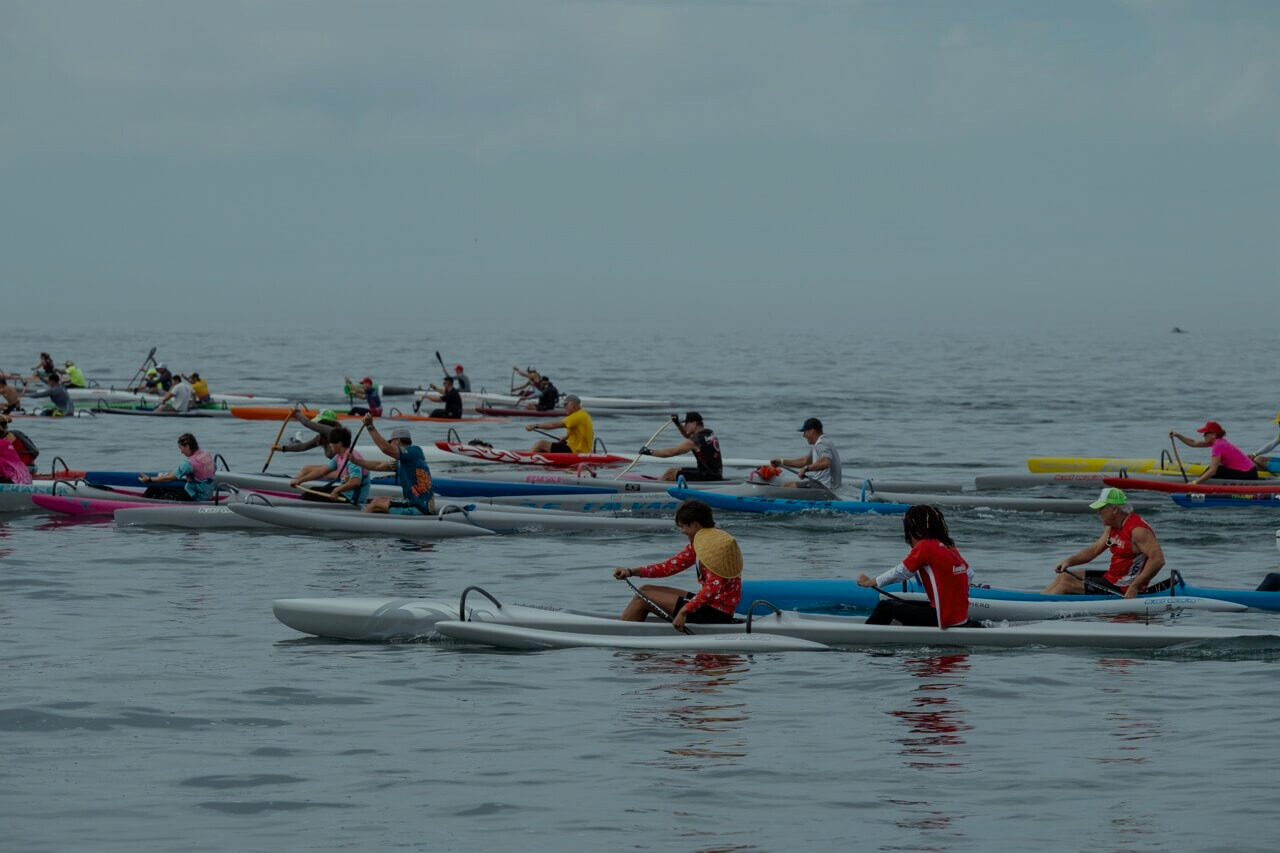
pixel 152 702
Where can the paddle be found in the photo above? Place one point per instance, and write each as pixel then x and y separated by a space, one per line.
pixel 675 419
pixel 150 359
pixel 657 608
pixel 329 496
pixel 444 372
pixel 885 592
pixel 1094 585
pixel 279 433
pixel 1174 445
pixel 350 451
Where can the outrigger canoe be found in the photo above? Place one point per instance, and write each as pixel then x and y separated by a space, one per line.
pixel 1199 500
pixel 528 457
pixel 521 627
pixel 394 619
pixel 770 505
pixel 1217 487
pixel 836 593
pixel 279 413
pixel 1061 464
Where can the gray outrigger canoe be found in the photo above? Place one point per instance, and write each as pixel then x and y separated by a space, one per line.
pixel 397 619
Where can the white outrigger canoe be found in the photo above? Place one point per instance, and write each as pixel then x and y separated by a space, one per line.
pixel 521 626
pixel 122 395
pixel 471 399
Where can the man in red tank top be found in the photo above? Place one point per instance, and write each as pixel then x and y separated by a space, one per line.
pixel 1136 556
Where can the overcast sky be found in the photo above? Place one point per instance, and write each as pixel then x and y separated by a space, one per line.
pixel 842 164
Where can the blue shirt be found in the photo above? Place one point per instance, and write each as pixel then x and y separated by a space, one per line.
pixel 414 477
pixel 200 490
pixel 353 470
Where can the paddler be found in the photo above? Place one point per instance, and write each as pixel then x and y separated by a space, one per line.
pixel 366 392
pixel 451 399
pixel 698 440
pixel 460 379
pixel 412 473
pixel 532 380
pixel 75 376
pixel 941 568
pixel 1136 556
pixel 199 389
pixel 10 397
pixel 343 466
pixel 45 369
pixel 822 466
pixel 1226 461
pixel 61 400
pixel 580 434
pixel 321 426
pixel 1270 464
pixel 715 556
pixel 195 473
pixel 13 469
pixel 178 398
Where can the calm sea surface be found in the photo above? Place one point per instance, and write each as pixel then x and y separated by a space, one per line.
pixel 152 702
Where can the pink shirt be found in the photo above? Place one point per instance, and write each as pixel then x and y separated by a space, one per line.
pixel 1230 456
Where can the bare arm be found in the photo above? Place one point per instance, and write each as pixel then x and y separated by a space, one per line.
pixel 1209 471
pixel 1085 555
pixel 675 450
pixel 1190 442
pixel 552 425
pixel 1145 541
pixel 383 445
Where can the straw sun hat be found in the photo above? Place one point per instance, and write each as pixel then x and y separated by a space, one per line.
pixel 718 552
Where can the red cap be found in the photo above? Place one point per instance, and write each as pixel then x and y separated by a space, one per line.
pixel 1213 427
pixel 366 381
pixel 457 368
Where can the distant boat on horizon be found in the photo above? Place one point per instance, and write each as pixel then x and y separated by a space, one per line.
pixel 1179 331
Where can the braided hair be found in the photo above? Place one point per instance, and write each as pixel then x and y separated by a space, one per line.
pixel 925 521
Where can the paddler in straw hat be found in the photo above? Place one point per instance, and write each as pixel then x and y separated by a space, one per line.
pixel 718 561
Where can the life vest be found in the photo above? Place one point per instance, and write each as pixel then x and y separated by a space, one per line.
pixel 26 448
pixel 202 465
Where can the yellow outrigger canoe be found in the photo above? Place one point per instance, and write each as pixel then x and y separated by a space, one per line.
pixel 1077 464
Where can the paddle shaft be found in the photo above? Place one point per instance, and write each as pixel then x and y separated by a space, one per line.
pixel 665 424
pixel 441 361
pixel 150 359
pixel 657 608
pixel 350 450
pixel 1092 584
pixel 1173 442
pixel 279 433
pixel 885 592
pixel 326 495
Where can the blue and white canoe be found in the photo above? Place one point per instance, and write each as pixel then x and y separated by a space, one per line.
pixel 1203 501
pixel 836 593
pixel 747 503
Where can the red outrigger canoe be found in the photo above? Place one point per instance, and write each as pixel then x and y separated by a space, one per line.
pixel 1240 487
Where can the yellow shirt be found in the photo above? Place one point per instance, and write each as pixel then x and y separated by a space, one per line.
pixel 581 434
pixel 200 389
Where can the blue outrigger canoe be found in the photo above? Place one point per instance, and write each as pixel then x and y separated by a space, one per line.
pixel 1202 501
pixel 742 503
pixel 826 594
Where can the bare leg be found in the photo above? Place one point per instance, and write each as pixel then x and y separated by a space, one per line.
pixel 663 596
pixel 1065 583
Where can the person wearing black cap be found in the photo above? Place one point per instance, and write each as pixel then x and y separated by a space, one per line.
pixel 822 466
pixel 413 475
pixel 548 396
pixel 451 399
pixel 698 440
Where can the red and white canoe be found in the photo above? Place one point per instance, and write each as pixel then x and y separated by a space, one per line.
pixel 1239 487
pixel 528 457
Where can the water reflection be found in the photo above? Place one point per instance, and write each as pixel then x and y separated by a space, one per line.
pixel 689 701
pixel 935 725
